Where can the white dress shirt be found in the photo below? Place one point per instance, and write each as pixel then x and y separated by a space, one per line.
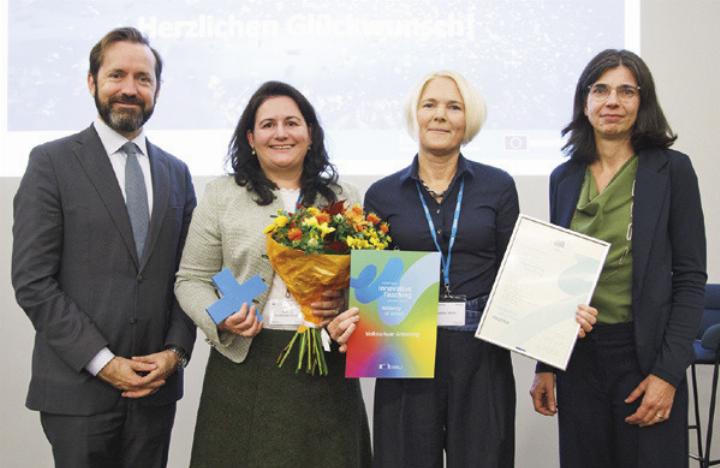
pixel 112 141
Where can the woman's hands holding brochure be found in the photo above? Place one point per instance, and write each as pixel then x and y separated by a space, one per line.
pixel 343 326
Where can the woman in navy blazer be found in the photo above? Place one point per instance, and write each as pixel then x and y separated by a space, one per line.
pixel 622 402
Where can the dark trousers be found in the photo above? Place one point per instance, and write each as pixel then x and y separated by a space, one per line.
pixel 602 372
pixel 130 435
pixel 467 410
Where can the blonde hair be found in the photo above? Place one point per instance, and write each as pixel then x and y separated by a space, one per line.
pixel 475 109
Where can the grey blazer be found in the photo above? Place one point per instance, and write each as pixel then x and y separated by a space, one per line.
pixel 77 276
pixel 227 231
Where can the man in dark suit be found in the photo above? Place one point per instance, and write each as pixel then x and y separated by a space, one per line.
pixel 99 224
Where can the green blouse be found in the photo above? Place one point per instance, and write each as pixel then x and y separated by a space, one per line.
pixel 608 216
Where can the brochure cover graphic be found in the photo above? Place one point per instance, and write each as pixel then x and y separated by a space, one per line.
pixel 397 294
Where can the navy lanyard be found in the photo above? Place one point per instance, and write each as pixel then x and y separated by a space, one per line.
pixel 453 233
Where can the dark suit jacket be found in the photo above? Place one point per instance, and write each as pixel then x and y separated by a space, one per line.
pixel 668 252
pixel 77 276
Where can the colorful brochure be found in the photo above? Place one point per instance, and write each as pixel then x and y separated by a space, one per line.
pixel 397 294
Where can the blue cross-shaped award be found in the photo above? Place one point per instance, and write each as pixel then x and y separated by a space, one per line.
pixel 234 294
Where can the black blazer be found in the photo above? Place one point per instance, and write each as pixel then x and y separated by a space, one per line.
pixel 77 276
pixel 668 252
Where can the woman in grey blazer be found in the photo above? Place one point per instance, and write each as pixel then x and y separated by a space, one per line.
pixel 251 412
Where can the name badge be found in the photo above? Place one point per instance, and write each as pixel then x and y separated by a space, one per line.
pixel 283 313
pixel 451 311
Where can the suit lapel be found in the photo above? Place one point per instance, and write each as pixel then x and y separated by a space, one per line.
pixel 650 193
pixel 161 194
pixel 92 157
pixel 568 191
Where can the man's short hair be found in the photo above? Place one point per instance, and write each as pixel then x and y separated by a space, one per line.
pixel 125 34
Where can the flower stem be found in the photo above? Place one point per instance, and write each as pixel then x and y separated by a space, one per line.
pixel 309 354
pixel 303 343
pixel 286 351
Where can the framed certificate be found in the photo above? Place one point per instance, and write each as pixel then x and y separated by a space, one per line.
pixel 546 272
pixel 397 294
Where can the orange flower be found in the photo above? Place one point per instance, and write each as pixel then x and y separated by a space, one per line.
pixel 357 209
pixel 322 218
pixel 373 218
pixel 294 234
pixel 384 228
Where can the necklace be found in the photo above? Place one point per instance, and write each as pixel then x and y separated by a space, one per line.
pixel 628 236
pixel 433 193
pixel 629 232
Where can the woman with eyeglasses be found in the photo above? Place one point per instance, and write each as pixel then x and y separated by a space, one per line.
pixel 622 402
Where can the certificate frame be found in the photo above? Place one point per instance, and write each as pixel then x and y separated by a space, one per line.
pixel 547 270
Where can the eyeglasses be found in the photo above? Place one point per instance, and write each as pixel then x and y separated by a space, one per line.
pixel 602 92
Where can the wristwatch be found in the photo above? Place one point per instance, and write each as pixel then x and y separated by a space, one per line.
pixel 181 354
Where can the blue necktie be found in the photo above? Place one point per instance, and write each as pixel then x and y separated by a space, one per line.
pixel 136 197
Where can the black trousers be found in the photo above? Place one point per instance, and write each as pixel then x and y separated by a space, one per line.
pixel 130 435
pixel 602 372
pixel 467 410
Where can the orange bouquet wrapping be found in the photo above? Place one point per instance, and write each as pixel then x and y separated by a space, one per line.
pixel 309 249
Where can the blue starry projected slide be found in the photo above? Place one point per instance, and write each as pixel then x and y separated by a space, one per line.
pixel 356 62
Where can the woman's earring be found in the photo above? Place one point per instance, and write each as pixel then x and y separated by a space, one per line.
pixel 252 150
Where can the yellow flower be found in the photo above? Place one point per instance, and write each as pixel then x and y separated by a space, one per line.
pixel 354 243
pixel 281 221
pixel 325 229
pixel 313 211
pixel 310 221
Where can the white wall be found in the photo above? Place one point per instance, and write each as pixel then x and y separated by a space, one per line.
pixel 680 43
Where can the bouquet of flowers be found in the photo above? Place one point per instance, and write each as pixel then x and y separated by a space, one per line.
pixel 310 249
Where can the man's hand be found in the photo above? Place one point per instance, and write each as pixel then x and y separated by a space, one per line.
pixel 165 363
pixel 658 397
pixel 133 377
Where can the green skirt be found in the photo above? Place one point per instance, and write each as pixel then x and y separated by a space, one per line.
pixel 256 415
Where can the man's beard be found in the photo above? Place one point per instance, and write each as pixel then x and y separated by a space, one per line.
pixel 126 120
